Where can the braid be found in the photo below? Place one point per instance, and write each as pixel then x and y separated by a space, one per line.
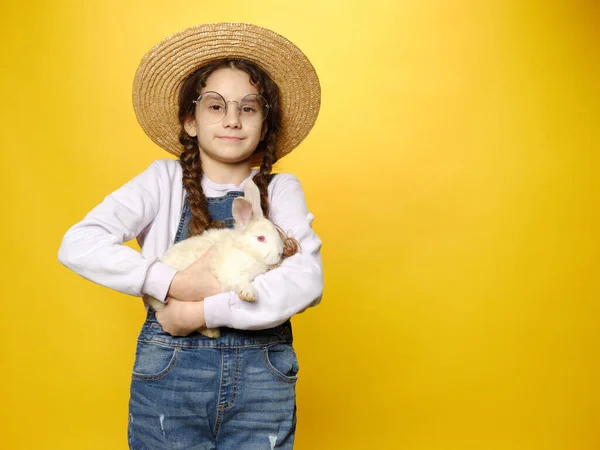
pixel 262 178
pixel 192 182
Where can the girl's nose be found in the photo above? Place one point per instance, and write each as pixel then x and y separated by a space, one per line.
pixel 232 118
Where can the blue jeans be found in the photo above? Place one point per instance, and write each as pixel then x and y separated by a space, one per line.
pixel 234 392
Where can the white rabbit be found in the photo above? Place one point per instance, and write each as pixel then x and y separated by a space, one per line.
pixel 252 247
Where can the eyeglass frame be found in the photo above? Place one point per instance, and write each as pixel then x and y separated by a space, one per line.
pixel 239 112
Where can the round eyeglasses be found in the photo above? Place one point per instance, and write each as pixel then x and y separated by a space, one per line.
pixel 211 107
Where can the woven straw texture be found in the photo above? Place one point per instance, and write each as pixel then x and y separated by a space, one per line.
pixel 164 68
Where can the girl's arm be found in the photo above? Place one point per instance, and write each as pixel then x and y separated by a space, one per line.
pixel 287 290
pixel 94 248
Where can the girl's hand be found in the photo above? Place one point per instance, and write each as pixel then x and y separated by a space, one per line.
pixel 181 318
pixel 196 282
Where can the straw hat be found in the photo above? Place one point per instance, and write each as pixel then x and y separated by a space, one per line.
pixel 164 68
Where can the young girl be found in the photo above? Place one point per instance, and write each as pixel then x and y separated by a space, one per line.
pixel 229 100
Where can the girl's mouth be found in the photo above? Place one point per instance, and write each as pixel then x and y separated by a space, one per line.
pixel 230 138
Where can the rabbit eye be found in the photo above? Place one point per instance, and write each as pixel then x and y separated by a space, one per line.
pixel 261 239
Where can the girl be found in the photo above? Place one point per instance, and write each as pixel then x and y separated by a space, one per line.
pixel 229 100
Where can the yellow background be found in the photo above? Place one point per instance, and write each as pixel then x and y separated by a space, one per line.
pixel 452 176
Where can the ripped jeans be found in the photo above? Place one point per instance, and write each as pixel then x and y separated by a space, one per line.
pixel 196 393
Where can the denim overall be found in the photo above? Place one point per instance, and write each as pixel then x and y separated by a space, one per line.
pixel 234 392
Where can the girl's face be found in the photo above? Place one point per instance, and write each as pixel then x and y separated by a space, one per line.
pixel 232 138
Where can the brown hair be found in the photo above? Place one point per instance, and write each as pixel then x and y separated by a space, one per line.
pixel 190 158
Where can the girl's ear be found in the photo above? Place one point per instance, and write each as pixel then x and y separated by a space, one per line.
pixel 241 211
pixel 264 133
pixel 189 125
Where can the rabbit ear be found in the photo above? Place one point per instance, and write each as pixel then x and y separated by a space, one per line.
pixel 252 194
pixel 241 211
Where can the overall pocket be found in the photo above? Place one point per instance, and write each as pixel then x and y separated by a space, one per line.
pixel 154 361
pixel 281 361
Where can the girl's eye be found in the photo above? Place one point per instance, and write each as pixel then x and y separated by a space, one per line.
pixel 261 239
pixel 216 107
pixel 248 110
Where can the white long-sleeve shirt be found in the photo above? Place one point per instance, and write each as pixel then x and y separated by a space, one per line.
pixel 149 208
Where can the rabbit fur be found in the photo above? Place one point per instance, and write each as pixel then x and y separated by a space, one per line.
pixel 252 247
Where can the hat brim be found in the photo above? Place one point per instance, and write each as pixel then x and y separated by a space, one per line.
pixel 164 68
